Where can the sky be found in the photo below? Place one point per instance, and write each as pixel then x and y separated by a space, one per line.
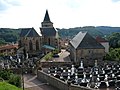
pixel 63 13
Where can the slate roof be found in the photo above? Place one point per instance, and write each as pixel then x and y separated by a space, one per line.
pixel 48 31
pixel 46 18
pixel 85 41
pixel 24 31
pixel 28 32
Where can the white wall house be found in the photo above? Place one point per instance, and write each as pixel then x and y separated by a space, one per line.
pixel 106 45
pixel 104 42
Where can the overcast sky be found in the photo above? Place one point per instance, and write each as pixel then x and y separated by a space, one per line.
pixel 63 13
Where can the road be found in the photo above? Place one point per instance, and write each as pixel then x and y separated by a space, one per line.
pixel 32 83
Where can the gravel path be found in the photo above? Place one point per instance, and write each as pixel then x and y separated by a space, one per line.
pixel 32 83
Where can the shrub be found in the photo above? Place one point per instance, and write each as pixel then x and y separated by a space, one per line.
pixel 48 56
pixel 15 80
pixel 56 51
pixel 10 77
pixel 5 74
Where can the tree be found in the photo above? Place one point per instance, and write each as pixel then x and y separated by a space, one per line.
pixel 114 54
pixel 114 40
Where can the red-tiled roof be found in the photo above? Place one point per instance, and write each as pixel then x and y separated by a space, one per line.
pixel 8 46
pixel 99 39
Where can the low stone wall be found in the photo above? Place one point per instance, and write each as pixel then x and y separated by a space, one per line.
pixel 48 64
pixel 19 70
pixel 57 83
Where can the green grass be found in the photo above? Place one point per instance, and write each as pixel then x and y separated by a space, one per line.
pixel 48 56
pixel 7 86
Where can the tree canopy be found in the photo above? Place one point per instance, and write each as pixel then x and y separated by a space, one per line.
pixel 114 40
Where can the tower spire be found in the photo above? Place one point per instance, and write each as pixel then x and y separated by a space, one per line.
pixel 46 22
pixel 46 18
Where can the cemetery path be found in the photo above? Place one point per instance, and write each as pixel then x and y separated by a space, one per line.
pixel 32 83
pixel 63 56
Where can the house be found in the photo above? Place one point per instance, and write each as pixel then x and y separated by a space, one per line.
pixel 64 42
pixel 83 47
pixel 104 42
pixel 8 49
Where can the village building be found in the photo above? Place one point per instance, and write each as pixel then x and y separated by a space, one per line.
pixel 9 49
pixel 104 42
pixel 64 43
pixel 83 47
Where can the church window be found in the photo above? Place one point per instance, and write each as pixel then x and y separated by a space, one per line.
pixel 20 43
pixel 30 46
pixel 37 45
pixel 48 41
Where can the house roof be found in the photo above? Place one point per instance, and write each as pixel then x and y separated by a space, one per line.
pixel 84 40
pixel 28 32
pixel 24 31
pixel 48 31
pixel 46 18
pixel 99 39
pixel 11 46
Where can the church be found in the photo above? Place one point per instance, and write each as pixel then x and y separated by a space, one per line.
pixel 35 43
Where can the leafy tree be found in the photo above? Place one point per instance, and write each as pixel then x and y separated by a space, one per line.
pixel 114 54
pixel 114 40
pixel 2 41
pixel 118 43
pixel 9 35
pixel 5 74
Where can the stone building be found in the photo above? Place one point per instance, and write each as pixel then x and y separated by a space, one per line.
pixel 30 40
pixel 49 33
pixel 84 47
pixel 9 49
pixel 45 41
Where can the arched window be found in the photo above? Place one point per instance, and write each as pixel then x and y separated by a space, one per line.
pixel 48 41
pixel 20 44
pixel 30 46
pixel 37 45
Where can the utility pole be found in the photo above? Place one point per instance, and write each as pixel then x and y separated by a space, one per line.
pixel 23 58
pixel 22 74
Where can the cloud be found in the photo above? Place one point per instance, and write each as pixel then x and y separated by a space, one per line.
pixel 3 5
pixel 73 3
pixel 6 4
pixel 13 2
pixel 63 13
pixel 115 0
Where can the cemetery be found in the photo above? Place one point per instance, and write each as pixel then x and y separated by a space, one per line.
pixel 82 78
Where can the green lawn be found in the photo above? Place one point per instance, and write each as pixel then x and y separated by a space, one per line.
pixel 7 86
